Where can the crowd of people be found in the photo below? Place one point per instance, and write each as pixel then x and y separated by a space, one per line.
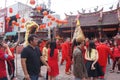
pixel 89 58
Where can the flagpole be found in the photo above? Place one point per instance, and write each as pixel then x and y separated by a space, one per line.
pixel 71 24
pixel 119 2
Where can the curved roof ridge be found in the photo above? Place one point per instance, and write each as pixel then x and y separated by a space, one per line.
pixel 97 12
pixel 111 11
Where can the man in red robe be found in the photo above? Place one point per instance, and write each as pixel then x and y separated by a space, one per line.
pixel 67 55
pixel 103 51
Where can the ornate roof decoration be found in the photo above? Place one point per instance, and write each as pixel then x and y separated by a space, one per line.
pixel 95 18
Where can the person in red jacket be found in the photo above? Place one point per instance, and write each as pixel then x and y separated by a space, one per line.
pixel 4 56
pixel 103 52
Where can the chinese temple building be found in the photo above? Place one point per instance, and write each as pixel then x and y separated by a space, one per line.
pixel 97 24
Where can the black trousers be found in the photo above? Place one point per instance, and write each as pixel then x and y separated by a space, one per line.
pixel 47 73
pixel 117 59
pixel 11 68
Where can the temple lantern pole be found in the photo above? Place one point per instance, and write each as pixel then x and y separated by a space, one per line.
pixel 100 23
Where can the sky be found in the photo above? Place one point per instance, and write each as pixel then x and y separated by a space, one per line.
pixel 66 6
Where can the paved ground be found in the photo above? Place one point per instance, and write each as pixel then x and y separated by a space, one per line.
pixel 62 75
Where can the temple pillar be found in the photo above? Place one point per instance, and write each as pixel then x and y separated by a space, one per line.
pixel 100 32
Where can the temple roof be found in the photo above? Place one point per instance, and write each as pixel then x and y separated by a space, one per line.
pixel 95 18
pixel 110 18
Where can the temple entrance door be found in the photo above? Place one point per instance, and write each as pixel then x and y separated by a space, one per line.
pixel 91 35
pixel 110 34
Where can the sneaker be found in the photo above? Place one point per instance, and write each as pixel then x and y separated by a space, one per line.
pixel 118 72
pixel 111 71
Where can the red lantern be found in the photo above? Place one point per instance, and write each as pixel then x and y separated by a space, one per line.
pixel 65 21
pixel 45 13
pixel 41 26
pixel 49 24
pixel 49 16
pixel 57 21
pixel 17 24
pixel 38 8
pixel 17 16
pixel 8 19
pixel 22 26
pixel 23 20
pixel 44 26
pixel 10 10
pixel 13 22
pixel 32 2
pixel 53 18
pixel 60 22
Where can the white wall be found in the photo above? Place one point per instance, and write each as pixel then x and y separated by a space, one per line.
pixel 2 24
pixel 3 13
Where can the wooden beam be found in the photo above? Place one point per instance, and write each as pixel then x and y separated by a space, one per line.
pixel 118 29
pixel 108 29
